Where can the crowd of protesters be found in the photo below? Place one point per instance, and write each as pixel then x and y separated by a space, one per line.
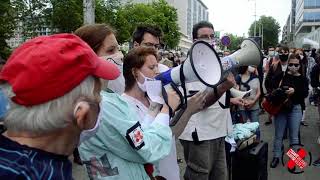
pixel 78 94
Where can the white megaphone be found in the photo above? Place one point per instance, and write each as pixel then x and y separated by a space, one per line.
pixel 202 65
pixel 248 54
pixel 239 94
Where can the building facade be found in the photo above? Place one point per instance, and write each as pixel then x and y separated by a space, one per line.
pixel 288 32
pixel 307 20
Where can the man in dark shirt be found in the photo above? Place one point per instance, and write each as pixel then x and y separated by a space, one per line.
pixel 53 89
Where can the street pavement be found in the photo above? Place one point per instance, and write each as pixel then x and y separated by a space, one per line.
pixel 309 137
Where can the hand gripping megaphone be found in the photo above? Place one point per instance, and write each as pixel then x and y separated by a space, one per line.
pixel 202 64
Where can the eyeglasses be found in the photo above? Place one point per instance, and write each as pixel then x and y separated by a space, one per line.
pixel 293 64
pixel 206 37
pixel 148 44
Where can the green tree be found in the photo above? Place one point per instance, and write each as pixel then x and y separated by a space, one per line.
pixel 235 41
pixel 67 15
pixel 6 28
pixel 167 18
pixel 30 16
pixel 271 30
pixel 106 11
pixel 127 17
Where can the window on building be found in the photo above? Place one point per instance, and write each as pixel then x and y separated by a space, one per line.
pixel 311 17
pixel 310 4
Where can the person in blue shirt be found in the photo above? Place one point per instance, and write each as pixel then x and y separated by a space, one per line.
pixel 3 99
pixel 52 84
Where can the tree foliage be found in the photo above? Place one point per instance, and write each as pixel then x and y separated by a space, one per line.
pixel 31 16
pixel 127 17
pixel 67 15
pixel 235 41
pixel 7 27
pixel 271 30
pixel 167 18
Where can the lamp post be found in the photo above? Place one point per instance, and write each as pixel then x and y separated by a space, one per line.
pixel 255 17
pixel 88 11
pixel 261 35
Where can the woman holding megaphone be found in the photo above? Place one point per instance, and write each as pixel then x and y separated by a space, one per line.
pixel 132 133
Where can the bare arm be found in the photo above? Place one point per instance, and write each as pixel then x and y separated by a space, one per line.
pixel 200 101
pixel 211 97
pixel 195 104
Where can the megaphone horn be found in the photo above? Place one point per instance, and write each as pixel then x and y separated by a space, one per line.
pixel 239 94
pixel 248 54
pixel 202 65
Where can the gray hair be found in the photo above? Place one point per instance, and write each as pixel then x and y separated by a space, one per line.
pixel 49 116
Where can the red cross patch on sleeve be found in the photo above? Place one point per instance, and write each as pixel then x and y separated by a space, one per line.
pixel 135 136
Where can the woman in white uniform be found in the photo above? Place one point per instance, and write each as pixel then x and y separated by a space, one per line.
pixel 138 71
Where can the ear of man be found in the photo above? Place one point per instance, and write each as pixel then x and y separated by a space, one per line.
pixel 135 44
pixel 81 112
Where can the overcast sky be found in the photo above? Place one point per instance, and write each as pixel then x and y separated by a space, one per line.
pixel 236 16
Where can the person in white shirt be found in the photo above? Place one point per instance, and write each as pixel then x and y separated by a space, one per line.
pixel 203 138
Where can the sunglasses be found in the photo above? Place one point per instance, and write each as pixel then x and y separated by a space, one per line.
pixel 293 64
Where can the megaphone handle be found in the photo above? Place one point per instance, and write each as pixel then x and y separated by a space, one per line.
pixel 177 116
pixel 165 98
pixel 175 88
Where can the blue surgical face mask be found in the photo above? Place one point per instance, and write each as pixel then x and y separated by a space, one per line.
pixel 271 53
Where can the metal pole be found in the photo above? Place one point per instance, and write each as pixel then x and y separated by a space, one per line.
pixel 88 11
pixel 262 36
pixel 255 17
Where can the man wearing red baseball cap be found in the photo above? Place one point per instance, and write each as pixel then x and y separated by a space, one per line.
pixel 53 86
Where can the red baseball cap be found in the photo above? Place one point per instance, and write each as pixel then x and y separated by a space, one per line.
pixel 48 67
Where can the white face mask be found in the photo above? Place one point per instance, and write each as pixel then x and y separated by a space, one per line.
pixel 142 86
pixel 88 133
pixel 211 42
pixel 115 58
pixel 284 67
pixel 251 69
pixel 154 91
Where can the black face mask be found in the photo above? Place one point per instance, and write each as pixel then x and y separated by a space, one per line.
pixel 283 57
